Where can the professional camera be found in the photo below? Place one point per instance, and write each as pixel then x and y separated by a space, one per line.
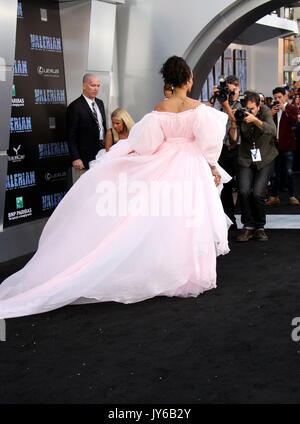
pixel 240 114
pixel 273 104
pixel 223 92
pixel 242 100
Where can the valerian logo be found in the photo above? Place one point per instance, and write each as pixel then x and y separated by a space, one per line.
pixel 49 96
pixel 45 43
pixel 20 124
pixel 2 330
pixel 49 150
pixel 20 180
pixel 296 331
pixel 50 201
pixel 20 68
pixel 20 10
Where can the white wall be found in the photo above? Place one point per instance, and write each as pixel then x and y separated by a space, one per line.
pixel 263 66
pixel 75 27
pixel 88 33
pixel 149 31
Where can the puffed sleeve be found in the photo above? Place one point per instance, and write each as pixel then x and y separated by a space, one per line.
pixel 146 135
pixel 209 130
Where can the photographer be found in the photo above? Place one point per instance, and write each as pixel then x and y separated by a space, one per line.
pixel 225 98
pixel 285 118
pixel 256 160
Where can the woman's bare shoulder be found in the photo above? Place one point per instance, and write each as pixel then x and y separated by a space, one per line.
pixel 162 106
pixel 168 105
pixel 196 102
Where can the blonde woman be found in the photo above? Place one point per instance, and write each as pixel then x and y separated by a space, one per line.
pixel 121 126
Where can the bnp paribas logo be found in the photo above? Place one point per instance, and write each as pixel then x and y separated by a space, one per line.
pixel 45 43
pixel 49 96
pixel 18 102
pixel 20 10
pixel 20 68
pixel 19 202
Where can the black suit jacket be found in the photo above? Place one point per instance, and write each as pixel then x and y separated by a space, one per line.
pixel 83 131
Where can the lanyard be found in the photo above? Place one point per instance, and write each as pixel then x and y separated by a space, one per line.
pixel 254 152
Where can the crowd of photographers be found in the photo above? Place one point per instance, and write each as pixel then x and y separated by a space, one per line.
pixel 258 150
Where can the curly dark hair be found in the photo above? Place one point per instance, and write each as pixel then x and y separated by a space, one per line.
pixel 175 71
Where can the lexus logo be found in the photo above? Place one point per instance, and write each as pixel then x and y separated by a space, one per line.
pixel 56 176
pixel 47 72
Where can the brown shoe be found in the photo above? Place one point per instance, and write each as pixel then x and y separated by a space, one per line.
pixel 293 201
pixel 260 235
pixel 273 201
pixel 245 235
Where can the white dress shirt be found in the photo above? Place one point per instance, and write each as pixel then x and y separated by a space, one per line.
pixel 99 116
pixel 279 115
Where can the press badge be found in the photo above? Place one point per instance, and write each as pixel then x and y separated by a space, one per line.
pixel 255 155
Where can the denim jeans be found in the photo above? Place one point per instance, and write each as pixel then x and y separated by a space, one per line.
pixel 252 189
pixel 285 161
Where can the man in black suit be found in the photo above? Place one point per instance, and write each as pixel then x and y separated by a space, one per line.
pixel 86 125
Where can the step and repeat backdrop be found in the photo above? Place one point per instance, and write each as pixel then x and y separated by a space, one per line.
pixel 39 172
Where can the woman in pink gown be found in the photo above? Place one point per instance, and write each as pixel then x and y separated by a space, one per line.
pixel 146 220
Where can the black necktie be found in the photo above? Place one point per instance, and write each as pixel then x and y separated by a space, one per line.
pixel 96 119
pixel 95 113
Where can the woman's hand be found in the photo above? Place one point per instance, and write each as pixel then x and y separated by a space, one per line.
pixel 217 176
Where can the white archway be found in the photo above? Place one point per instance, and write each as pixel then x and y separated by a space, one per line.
pixel 212 40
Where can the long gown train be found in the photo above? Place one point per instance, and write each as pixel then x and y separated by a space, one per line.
pixel 112 238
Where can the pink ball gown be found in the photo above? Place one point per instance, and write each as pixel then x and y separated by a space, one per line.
pixel 111 239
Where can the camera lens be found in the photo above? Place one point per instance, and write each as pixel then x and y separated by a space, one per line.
pixel 239 115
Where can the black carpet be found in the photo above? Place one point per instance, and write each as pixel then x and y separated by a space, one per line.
pixel 229 345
